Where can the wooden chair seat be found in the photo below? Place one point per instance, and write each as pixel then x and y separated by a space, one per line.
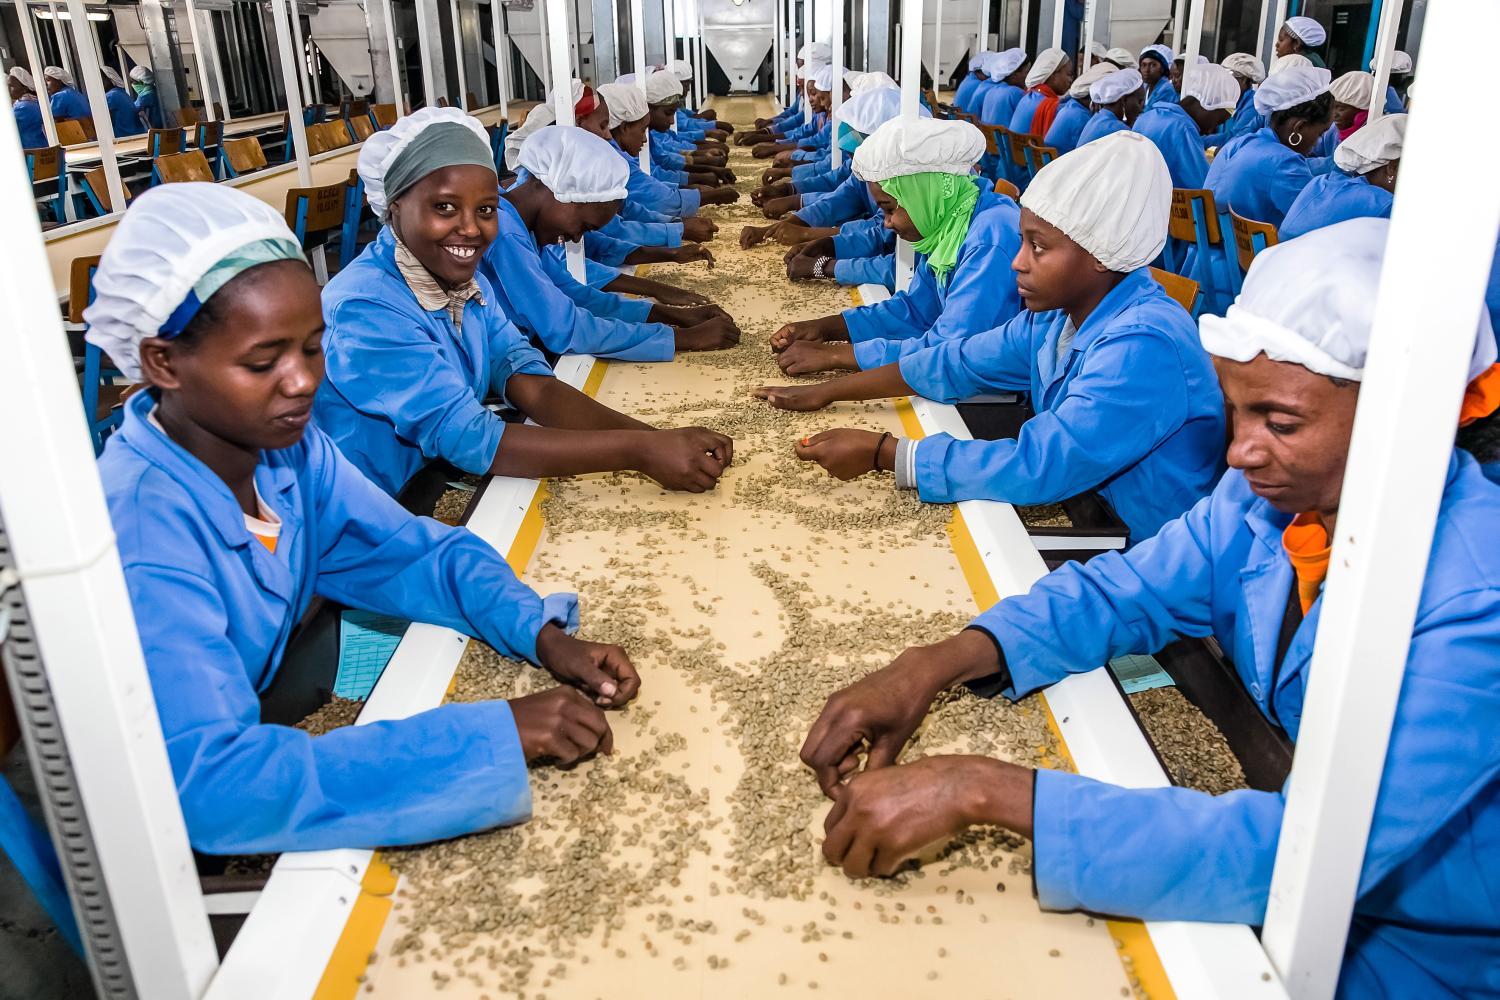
pixel 243 156
pixel 49 178
pixel 317 214
pixel 1183 290
pixel 70 132
pixel 96 190
pixel 383 115
pixel 176 168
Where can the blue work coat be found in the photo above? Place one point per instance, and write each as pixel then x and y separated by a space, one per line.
pixel 864 238
pixel 966 88
pixel 849 201
pixel 214 609
pixel 532 300
pixel 123 117
pixel 980 292
pixel 1393 102
pixel 1000 103
pixel 28 112
pixel 1100 124
pixel 403 387
pixel 69 103
pixel 148 106
pixel 1162 93
pixel 822 177
pixel 633 235
pixel 857 271
pixel 588 294
pixel 1133 410
pixel 1427 915
pixel 648 192
pixel 1332 198
pixel 1020 118
pixel 1244 121
pixel 1177 137
pixel 1257 176
pixel 1072 116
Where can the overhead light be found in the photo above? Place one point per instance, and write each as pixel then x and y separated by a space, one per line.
pixel 62 15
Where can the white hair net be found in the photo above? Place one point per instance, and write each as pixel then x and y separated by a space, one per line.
pixel 1161 52
pixel 381 149
pixel 663 87
pixel 824 80
pixel 1112 196
pixel 866 112
pixel 1288 88
pixel 1112 86
pixel 625 101
pixel 1214 87
pixel 1080 89
pixel 1293 61
pixel 141 74
pixel 870 81
pixel 1311 301
pixel 1046 64
pixel 682 69
pixel 170 238
pixel 1098 50
pixel 1375 145
pixel 1121 57
pixel 976 61
pixel 112 76
pixel 537 119
pixel 576 166
pixel 926 145
pixel 59 74
pixel 1305 28
pixel 22 77
pixel 999 65
pixel 1353 88
pixel 1243 64
pixel 818 52
pixel 1400 63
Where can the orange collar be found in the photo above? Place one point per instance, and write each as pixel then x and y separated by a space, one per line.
pixel 1307 546
pixel 1482 397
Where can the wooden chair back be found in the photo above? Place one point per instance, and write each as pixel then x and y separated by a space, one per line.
pixel 992 144
pixel 442 102
pixel 175 168
pixel 315 211
pixel 160 141
pixel 189 117
pixel 1016 143
pixel 1184 291
pixel 209 135
pixel 1037 155
pixel 80 281
pixel 1251 237
pixel 384 115
pixel 319 140
pixel 70 132
pixel 362 127
pixel 338 133
pixel 96 190
pixel 1005 187
pixel 1182 225
pixel 244 156
pixel 46 164
pixel 473 100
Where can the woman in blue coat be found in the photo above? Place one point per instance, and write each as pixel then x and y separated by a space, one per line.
pixel 26 108
pixel 231 512
pixel 1248 73
pixel 1007 73
pixel 1074 112
pixel 417 339
pixel 1125 398
pixel 1209 94
pixel 123 117
pixel 1118 99
pixel 1426 918
pixel 1155 67
pixel 1363 187
pixel 147 101
pixel 66 101
pixel 970 82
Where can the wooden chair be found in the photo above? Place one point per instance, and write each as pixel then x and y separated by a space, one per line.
pixel 189 117
pixel 497 135
pixel 356 214
pixel 1250 238
pixel 442 102
pixel 383 116
pixel 1038 156
pixel 318 140
pixel 96 191
pixel 339 135
pixel 1183 290
pixel 1194 221
pixel 48 167
pixel 162 142
pixel 176 168
pixel 473 100
pixel 316 214
pixel 209 140
pixel 1005 187
pixel 243 156
pixel 97 384
pixel 70 132
pixel 1016 143
pixel 362 127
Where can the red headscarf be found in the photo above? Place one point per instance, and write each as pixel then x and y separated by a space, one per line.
pixel 586 104
pixel 1045 112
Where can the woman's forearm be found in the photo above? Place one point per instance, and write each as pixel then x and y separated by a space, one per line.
pixel 556 404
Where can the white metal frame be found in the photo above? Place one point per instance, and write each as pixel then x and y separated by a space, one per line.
pixel 836 155
pixel 1194 35
pixel 638 59
pixel 200 60
pixel 393 54
pixel 462 98
pixel 1088 32
pixel 1385 48
pixel 93 82
pixel 34 61
pixel 561 66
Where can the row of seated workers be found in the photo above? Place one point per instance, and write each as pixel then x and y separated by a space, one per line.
pixel 262 463
pixel 131 111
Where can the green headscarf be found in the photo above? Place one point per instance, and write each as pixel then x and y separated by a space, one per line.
pixel 940 206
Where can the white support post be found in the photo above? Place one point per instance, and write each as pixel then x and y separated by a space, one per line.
pixel 700 68
pixel 1025 22
pixel 1274 29
pixel 772 84
pixel 218 64
pixel 93 82
pixel 981 28
pixel 393 55
pixel 200 62
pixel 80 613
pixel 546 31
pixel 1385 47
pixel 62 42
pixel 1194 34
pixel 294 9
pixel 1260 34
pixel 937 50
pixel 1058 8
pixel 34 61
pixel 638 60
pixel 1088 32
pixel 1414 378
pixel 791 50
pixel 281 14
pixel 911 92
pixel 1179 26
pixel 836 155
pixel 462 97
pixel 424 49
pixel 562 98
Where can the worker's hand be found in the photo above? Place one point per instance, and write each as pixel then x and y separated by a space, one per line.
pixel 776 189
pixel 813 248
pixel 687 315
pixel 764 150
pixel 726 174
pixel 775 208
pixel 804 267
pixel 560 724
pixel 752 236
pixel 815 330
pixel 698 229
pixel 802 398
pixel 686 458
pixel 844 453
pixel 719 196
pixel 713 334
pixel 803 357
pixel 882 819
pixel 602 671
pixel 671 295
pixel 689 253
pixel 783 159
pixel 773 174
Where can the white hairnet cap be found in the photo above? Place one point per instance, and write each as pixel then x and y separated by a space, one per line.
pixel 824 80
pixel 871 81
pixel 868 111
pixel 1112 86
pixel 538 118
pixel 1080 89
pixel 976 61
pixel 999 65
pixel 141 74
pixel 1098 50
pixel 576 166
pixel 1166 55
pixel 1375 145
pixel 625 101
pixel 381 149
pixel 22 77
pixel 170 238
pixel 1245 65
pixel 818 52
pixel 1353 88
pixel 1288 88
pixel 926 145
pixel 1400 62
pixel 1046 64
pixel 1294 60
pixel 1214 87
pixel 1311 301
pixel 59 74
pixel 625 78
pixel 1113 197
pixel 663 87
pixel 1121 57
pixel 1305 28
pixel 113 76
pixel 811 71
pixel 682 69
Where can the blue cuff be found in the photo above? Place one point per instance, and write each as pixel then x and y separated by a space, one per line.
pixel 873 353
pixel 1054 860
